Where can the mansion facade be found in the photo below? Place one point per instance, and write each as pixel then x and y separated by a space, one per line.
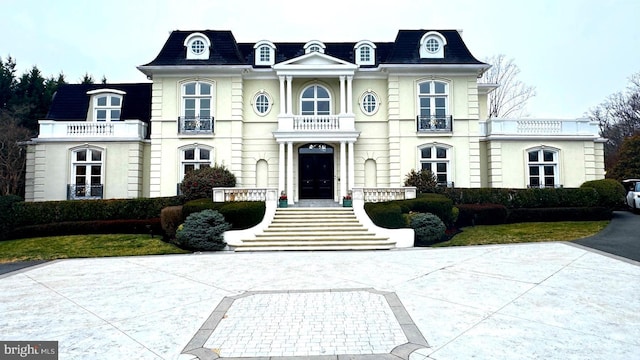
pixel 314 120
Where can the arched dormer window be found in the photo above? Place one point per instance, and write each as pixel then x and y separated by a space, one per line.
pixel 198 46
pixel 432 45
pixel 106 104
pixel 365 53
pixel 265 53
pixel 314 46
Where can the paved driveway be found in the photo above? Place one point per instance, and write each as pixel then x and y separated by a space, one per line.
pixel 621 237
pixel 527 301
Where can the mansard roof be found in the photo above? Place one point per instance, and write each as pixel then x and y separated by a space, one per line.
pixel 71 101
pixel 226 51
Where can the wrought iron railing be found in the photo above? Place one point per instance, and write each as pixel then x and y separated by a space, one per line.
pixel 434 123
pixel 82 192
pixel 195 125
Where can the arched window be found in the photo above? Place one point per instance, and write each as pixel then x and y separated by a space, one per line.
pixel 542 167
pixel 437 159
pixel 433 106
pixel 198 46
pixel 265 52
pixel 197 100
pixel 87 174
pixel 315 100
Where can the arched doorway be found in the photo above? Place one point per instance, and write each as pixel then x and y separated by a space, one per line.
pixel 315 171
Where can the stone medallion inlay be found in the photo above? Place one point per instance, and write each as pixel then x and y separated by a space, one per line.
pixel 325 324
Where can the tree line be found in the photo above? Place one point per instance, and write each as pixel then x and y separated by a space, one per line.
pixel 24 100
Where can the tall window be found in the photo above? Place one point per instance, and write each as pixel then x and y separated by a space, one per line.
pixel 107 107
pixel 86 165
pixel 542 167
pixel 196 100
pixel 315 100
pixel 195 157
pixel 433 98
pixel 437 159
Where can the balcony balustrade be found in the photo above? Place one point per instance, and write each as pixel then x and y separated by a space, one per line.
pixel 195 125
pixel 84 192
pixel 434 123
pixel 316 123
pixel 542 127
pixel 127 129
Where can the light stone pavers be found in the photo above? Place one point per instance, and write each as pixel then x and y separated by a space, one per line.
pixel 529 301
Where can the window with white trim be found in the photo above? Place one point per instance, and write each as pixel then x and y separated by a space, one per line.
pixel 265 53
pixel 314 46
pixel 87 176
pixel 365 53
pixel 369 103
pixel 542 167
pixel 433 106
pixel 262 103
pixel 432 45
pixel 315 100
pixel 197 46
pixel 107 107
pixel 195 157
pixel 437 159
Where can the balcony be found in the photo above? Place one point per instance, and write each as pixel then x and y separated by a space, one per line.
pixel 316 123
pixel 84 192
pixel 195 125
pixel 121 130
pixel 427 124
pixel 573 128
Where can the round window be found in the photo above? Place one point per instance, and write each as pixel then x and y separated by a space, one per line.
pixel 197 46
pixel 432 45
pixel 369 103
pixel 262 105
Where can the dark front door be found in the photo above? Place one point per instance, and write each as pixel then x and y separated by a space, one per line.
pixel 316 174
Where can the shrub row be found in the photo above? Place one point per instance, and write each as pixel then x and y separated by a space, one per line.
pixel 240 214
pixel 559 214
pixel 135 226
pixel 390 214
pixel 525 198
pixel 481 214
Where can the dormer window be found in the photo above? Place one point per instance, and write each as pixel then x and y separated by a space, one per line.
pixel 198 46
pixel 106 104
pixel 314 46
pixel 432 45
pixel 265 53
pixel 365 53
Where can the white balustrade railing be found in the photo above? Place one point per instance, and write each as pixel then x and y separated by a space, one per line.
pixel 316 122
pixel 127 129
pixel 525 127
pixel 380 194
pixel 244 194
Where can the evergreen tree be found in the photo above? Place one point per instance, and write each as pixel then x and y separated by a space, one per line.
pixel 628 164
pixel 7 81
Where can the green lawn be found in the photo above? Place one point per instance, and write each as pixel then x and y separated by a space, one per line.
pixel 525 232
pixel 80 246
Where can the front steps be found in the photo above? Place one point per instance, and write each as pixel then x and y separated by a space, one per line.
pixel 315 229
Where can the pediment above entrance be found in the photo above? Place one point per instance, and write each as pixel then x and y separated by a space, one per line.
pixel 317 64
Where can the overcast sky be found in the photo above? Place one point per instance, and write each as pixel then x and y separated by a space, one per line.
pixel 574 52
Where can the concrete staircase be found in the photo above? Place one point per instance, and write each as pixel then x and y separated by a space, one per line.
pixel 314 228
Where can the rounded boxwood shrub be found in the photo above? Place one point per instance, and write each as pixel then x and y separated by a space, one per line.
pixel 199 183
pixel 203 231
pixel 611 193
pixel 429 229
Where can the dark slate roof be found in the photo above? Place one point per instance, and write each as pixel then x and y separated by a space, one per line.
pixel 226 51
pixel 71 101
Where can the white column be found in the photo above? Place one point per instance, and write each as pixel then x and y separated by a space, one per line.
pixel 281 170
pixel 289 96
pixel 349 94
pixel 290 172
pixel 343 98
pixel 351 170
pixel 283 103
pixel 343 170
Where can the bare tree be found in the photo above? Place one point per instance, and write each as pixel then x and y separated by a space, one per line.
pixel 12 155
pixel 619 118
pixel 511 97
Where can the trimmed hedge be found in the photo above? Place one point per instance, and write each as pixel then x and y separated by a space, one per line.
pixel 559 214
pixel 386 214
pixel 130 226
pixel 240 214
pixel 7 217
pixel 611 193
pixel 481 214
pixel 525 198
pixel 390 214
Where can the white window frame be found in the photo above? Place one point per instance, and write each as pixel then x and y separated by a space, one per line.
pixel 426 49
pixel 361 48
pixel 434 160
pixel 258 104
pixel 196 162
pixel 89 164
pixel 314 46
pixel 108 108
pixel 197 96
pixel 189 43
pixel 365 103
pixel 542 166
pixel 265 53
pixel 431 96
pixel 316 100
